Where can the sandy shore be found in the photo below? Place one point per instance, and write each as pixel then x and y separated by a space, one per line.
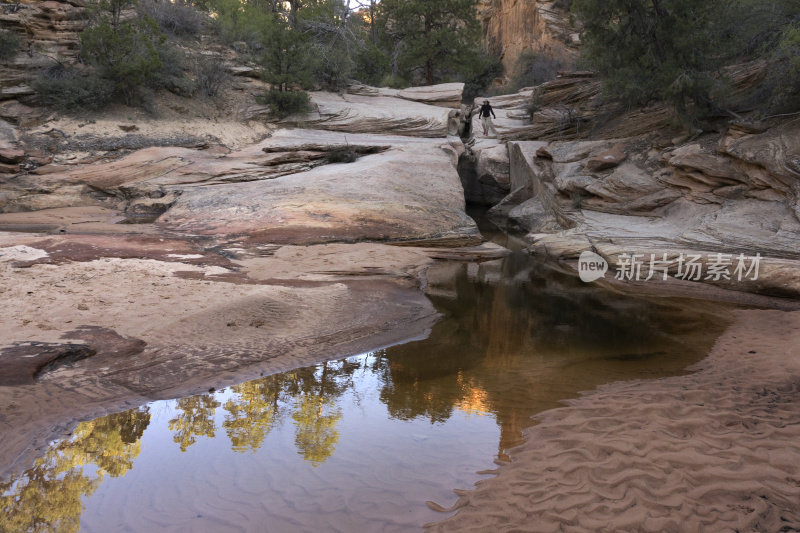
pixel 716 450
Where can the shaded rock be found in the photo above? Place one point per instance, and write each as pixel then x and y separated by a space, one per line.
pixel 352 113
pixel 485 252
pixel 8 169
pixel 485 174
pixel 690 199
pixel 148 209
pixel 444 94
pixel 11 156
pixel 532 217
pixel 493 163
pixel 20 114
pixel 21 363
pixel 240 70
pixel 777 151
pixel 709 168
pixel 8 135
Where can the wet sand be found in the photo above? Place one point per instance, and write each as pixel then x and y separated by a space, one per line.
pixel 716 450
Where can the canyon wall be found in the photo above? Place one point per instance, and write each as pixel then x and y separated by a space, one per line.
pixel 48 32
pixel 514 27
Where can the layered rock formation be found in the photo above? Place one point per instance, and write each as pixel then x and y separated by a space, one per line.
pixel 733 194
pixel 298 186
pixel 48 31
pixel 384 111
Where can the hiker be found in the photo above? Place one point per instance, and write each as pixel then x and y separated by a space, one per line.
pixel 486 120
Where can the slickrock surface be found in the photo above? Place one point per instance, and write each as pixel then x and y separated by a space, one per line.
pixel 384 112
pixel 408 190
pixel 409 193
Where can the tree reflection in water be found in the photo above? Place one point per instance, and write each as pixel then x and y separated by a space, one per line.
pixel 195 419
pixel 255 408
pixel 47 496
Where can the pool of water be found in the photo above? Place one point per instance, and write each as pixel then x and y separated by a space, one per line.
pixel 361 444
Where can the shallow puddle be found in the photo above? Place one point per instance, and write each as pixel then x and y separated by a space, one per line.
pixel 361 444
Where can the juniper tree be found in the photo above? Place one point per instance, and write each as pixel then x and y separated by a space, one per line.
pixel 652 49
pixel 433 36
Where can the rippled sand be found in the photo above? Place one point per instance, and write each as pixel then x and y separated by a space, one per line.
pixel 717 450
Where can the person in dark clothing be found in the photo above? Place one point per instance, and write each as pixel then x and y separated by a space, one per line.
pixel 485 114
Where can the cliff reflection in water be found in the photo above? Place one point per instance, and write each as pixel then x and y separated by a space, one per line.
pixel 515 338
pixel 518 338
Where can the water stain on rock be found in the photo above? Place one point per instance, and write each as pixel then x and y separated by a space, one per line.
pixel 24 363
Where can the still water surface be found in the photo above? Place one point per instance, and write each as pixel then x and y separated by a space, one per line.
pixel 361 444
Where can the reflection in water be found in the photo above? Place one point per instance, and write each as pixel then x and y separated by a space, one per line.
pixel 373 436
pixel 47 497
pixel 196 419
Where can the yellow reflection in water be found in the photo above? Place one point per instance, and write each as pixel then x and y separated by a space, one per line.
pixel 474 400
pixel 253 412
pixel 195 419
pixel 47 496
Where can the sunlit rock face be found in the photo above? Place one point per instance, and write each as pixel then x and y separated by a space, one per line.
pixel 513 27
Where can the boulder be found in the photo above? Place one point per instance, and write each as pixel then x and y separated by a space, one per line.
pixel 379 197
pixel 444 94
pixel 20 114
pixel 606 160
pixel 485 174
pixel 12 156
pixel 387 115
pixel 532 217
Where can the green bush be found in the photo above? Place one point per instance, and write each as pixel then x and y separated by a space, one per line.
pixel 9 44
pixel 172 73
pixel 284 103
pixel 70 90
pixel 783 79
pixel 654 51
pixel 128 55
pixel 490 68
pixel 332 68
pixel 371 65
